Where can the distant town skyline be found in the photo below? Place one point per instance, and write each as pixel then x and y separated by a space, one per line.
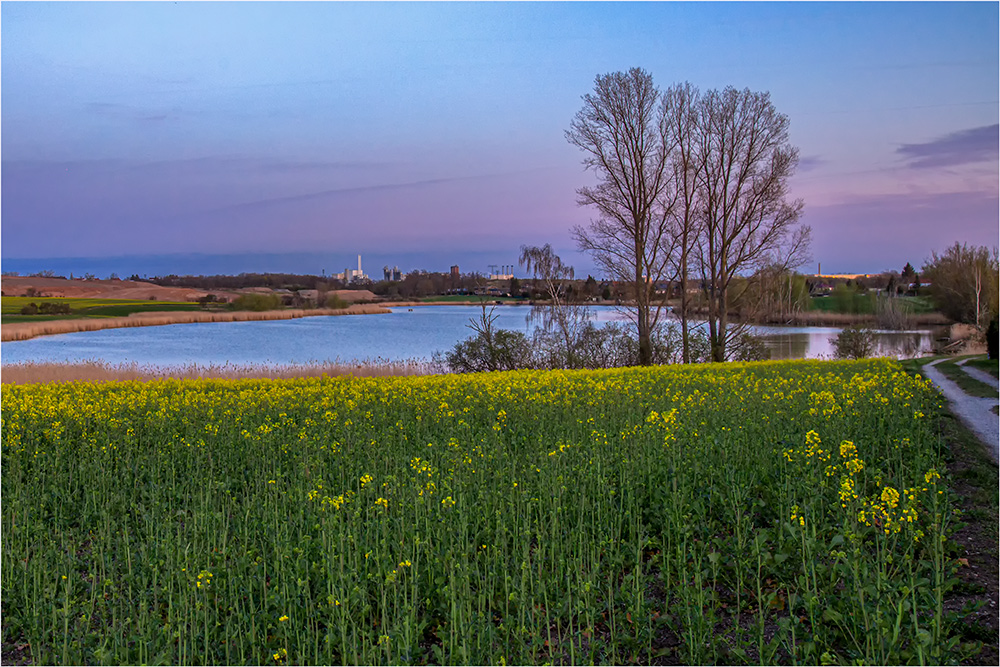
pixel 291 137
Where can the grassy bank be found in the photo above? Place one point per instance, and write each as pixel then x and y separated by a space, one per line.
pixel 10 308
pixel 28 330
pixel 984 363
pixel 777 512
pixel 966 382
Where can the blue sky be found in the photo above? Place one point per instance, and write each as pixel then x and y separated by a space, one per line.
pixel 426 134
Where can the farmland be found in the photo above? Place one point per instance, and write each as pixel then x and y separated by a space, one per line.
pixel 86 307
pixel 776 512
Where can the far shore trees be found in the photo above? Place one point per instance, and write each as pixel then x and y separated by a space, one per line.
pixel 686 178
pixel 964 283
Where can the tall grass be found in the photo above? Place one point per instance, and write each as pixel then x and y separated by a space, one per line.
pixel 30 372
pixel 774 512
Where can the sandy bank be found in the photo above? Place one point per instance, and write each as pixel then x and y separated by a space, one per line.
pixel 28 330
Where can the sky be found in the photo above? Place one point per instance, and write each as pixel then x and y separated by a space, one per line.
pixel 193 137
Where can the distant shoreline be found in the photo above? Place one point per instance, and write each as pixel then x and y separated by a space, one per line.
pixel 16 331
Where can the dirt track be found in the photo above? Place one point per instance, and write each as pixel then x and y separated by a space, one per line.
pixel 973 411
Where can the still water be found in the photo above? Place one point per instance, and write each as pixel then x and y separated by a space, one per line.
pixel 404 334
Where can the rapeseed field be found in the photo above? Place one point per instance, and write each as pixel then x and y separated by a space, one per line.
pixel 774 512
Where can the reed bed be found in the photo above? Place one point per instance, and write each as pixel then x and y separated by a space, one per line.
pixel 30 372
pixel 778 512
pixel 820 318
pixel 27 330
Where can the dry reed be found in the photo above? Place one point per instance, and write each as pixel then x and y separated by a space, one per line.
pixel 28 330
pixel 99 371
pixel 820 318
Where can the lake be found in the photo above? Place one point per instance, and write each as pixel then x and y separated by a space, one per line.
pixel 402 335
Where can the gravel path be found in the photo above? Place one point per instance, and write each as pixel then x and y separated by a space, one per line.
pixel 973 411
pixel 978 374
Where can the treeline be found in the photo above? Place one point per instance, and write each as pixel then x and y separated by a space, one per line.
pixel 289 281
pixel 420 284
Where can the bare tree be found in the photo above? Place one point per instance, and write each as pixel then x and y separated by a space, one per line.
pixel 556 316
pixel 622 132
pixel 744 166
pixel 680 114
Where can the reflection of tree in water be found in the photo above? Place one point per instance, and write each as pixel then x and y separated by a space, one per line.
pixel 902 345
pixel 787 346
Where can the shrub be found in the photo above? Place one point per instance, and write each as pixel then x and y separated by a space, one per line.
pixel 334 301
pixel 53 308
pixel 854 342
pixel 30 309
pixel 498 350
pixel 747 347
pixel 257 302
pixel 892 313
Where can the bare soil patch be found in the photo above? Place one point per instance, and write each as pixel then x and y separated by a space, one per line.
pixel 101 289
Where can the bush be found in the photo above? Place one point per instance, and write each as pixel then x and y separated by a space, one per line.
pixel 854 342
pixel 257 302
pixel 334 301
pixel 613 345
pixel 46 308
pixel 53 308
pixel 498 350
pixel 892 313
pixel 747 347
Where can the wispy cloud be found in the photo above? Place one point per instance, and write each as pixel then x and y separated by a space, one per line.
pixel 272 201
pixel 810 162
pixel 978 144
pixel 131 112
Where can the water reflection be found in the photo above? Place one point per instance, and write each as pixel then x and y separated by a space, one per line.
pixel 818 342
pixel 404 334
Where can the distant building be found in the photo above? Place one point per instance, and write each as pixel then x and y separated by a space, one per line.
pixel 393 274
pixel 841 276
pixel 501 271
pixel 351 275
pixel 454 272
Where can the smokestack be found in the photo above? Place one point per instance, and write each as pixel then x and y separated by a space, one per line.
pixel 359 264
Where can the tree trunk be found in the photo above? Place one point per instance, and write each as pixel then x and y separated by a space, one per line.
pixel 685 345
pixel 719 348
